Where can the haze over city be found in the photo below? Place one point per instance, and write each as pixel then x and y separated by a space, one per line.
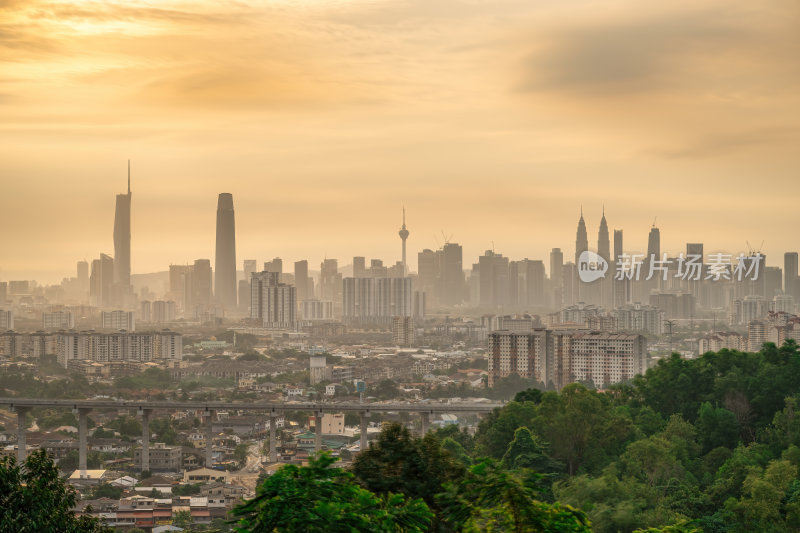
pixel 310 266
pixel 491 123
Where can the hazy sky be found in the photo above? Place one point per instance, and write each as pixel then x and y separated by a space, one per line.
pixel 492 121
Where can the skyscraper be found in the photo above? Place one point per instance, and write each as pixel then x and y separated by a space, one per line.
pixel 617 245
pixel 603 244
pixel 556 277
pixel 225 263
pixel 791 284
pixel 330 283
pixel 276 265
pixel 122 237
pixel 492 280
pixel 180 283
pixel 581 239
pixel 301 280
pixel 556 264
pixel 83 279
pixel 249 266
pixel 621 287
pixel 404 235
pixel 654 243
pixel 600 291
pixel 581 245
pixel 653 254
pixel 201 283
pixel 101 281
pixel 452 274
pixel 359 267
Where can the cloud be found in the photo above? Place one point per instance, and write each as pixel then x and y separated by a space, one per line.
pixel 646 51
pixel 726 144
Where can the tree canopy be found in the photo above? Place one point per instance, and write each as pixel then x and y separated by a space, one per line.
pixel 33 498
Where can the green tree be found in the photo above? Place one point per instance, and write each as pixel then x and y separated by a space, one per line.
pixel 182 519
pixel 494 499
pixel 527 451
pixel 510 385
pixel 397 462
pixel 70 461
pixel 497 430
pixel 716 427
pixel 529 395
pixel 386 390
pixel 760 508
pixel 581 427
pixel 651 461
pixel 458 434
pixel 188 489
pixel 251 355
pixel 321 498
pixel 104 490
pixel 33 498
pixel 127 426
pixel 102 433
pixel 220 525
pixel 240 453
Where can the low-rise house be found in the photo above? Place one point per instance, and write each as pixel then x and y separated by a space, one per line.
pixel 204 475
pixel 109 445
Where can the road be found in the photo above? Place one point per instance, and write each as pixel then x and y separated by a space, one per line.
pixel 248 475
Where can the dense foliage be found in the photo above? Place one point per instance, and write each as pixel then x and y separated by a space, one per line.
pixel 710 444
pixel 704 445
pixel 318 497
pixel 33 499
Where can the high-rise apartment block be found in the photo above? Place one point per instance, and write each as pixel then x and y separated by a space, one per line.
pixel 6 319
pixel 118 346
pixel 60 319
pixel 556 358
pixel 403 331
pixel 376 299
pixel 273 303
pixel 118 320
pixel 316 310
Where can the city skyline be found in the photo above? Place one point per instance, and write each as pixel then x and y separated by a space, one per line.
pixel 123 214
pixel 490 122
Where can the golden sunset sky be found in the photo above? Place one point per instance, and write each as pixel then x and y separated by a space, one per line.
pixel 493 121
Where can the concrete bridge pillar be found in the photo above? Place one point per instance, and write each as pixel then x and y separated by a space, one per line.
pixel 363 415
pixel 273 436
pixel 145 414
pixel 209 415
pixel 426 420
pixel 83 445
pixel 318 429
pixel 22 451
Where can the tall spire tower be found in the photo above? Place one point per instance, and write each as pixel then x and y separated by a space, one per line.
pixel 225 261
pixel 603 242
pixel 581 238
pixel 404 235
pixel 122 237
